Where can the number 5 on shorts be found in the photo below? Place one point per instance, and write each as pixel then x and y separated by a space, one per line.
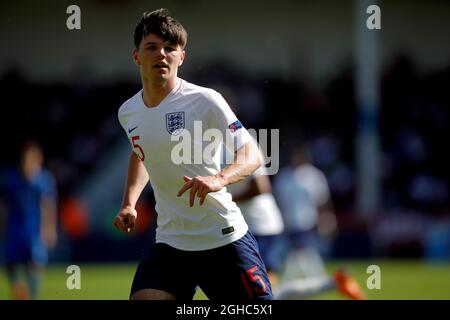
pixel 256 279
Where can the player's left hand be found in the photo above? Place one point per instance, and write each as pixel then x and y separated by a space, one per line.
pixel 200 186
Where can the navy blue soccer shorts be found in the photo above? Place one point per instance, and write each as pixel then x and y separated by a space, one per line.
pixel 19 250
pixel 231 272
pixel 266 245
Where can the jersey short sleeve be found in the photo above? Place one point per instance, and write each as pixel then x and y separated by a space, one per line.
pixel 224 119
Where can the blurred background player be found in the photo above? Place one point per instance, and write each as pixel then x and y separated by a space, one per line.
pixel 304 198
pixel 30 202
pixel 254 197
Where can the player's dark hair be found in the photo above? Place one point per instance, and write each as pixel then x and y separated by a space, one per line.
pixel 26 144
pixel 160 22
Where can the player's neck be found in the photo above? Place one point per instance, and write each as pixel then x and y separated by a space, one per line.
pixel 29 173
pixel 154 93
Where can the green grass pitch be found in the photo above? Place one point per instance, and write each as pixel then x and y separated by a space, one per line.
pixel 400 279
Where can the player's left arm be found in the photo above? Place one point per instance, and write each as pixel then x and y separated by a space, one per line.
pixel 246 161
pixel 327 224
pixel 49 234
pixel 49 213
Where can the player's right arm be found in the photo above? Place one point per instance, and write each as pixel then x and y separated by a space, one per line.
pixel 137 179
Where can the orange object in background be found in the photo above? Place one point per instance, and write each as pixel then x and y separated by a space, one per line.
pixel 20 291
pixel 74 218
pixel 145 217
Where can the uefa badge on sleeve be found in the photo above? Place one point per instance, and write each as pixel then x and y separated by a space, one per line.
pixel 235 126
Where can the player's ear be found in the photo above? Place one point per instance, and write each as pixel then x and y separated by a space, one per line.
pixel 182 56
pixel 136 57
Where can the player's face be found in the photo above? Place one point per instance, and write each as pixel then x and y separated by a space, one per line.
pixel 32 160
pixel 158 59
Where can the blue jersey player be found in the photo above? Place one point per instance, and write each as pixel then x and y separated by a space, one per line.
pixel 29 197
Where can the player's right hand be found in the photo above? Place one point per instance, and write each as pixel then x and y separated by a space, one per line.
pixel 125 219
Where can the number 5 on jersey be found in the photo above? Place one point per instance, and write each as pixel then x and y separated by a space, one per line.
pixel 137 148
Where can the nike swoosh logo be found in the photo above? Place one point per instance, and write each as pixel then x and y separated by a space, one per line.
pixel 132 129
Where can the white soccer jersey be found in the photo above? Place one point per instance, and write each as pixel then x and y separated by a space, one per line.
pixel 152 133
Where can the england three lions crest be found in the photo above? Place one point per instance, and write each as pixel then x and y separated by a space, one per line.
pixel 175 122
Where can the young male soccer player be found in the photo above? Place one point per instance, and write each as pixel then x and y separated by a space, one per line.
pixel 204 242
